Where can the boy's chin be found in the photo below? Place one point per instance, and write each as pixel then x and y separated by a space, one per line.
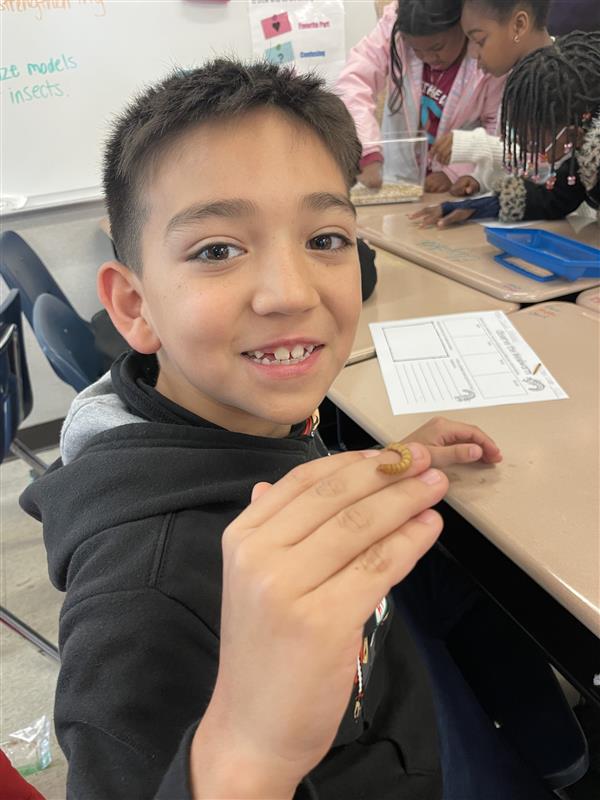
pixel 293 414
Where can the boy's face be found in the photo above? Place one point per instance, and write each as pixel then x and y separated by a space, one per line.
pixel 249 261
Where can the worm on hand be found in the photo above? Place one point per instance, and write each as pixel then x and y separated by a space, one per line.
pixel 399 466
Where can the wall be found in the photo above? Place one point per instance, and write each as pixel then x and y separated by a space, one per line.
pixel 70 243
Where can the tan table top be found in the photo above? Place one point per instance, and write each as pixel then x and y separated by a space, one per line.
pixel 541 505
pixel 406 290
pixel 463 253
pixel 590 299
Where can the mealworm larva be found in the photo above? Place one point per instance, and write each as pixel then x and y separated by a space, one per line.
pixel 398 466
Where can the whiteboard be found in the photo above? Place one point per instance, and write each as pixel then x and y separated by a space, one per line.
pixel 68 66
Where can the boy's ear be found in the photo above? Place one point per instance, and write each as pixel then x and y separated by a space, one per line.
pixel 120 292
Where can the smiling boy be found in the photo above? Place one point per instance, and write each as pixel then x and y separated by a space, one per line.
pixel 242 339
pixel 218 637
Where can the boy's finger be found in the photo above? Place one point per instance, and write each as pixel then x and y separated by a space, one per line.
pixel 360 526
pixel 292 484
pixel 333 494
pixel 311 495
pixel 455 454
pixel 259 489
pixel 355 591
pixel 471 434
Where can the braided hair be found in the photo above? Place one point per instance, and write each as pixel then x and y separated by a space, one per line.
pixel 418 18
pixel 550 89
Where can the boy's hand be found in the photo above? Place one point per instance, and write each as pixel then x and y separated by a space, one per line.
pixel 432 215
pixel 441 149
pixel 304 567
pixel 372 175
pixel 451 442
pixel 465 185
pixel 437 182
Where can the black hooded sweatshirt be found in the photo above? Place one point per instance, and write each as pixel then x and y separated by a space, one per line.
pixel 133 518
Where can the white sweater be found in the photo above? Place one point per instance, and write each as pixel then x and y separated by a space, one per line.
pixel 482 149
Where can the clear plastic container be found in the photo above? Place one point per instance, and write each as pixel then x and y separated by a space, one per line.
pixel 404 168
pixel 28 750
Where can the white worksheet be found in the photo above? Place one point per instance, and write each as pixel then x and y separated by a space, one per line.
pixel 459 361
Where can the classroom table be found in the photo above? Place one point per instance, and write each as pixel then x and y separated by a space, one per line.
pixel 405 290
pixel 539 508
pixel 463 253
pixel 590 299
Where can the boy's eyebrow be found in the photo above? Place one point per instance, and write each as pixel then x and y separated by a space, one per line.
pixel 235 207
pixel 473 30
pixel 321 201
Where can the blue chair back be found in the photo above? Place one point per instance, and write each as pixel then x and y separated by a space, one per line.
pixel 22 269
pixel 15 404
pixel 16 398
pixel 67 342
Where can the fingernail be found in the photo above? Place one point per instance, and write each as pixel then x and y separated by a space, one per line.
pixel 430 476
pixel 428 517
pixel 416 452
pixel 370 453
pixel 475 452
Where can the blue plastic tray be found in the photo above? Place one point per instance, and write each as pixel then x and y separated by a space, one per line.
pixel 560 255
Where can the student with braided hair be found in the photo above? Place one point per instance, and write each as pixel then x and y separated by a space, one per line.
pixel 551 138
pixel 418 53
pixel 501 33
pixel 551 115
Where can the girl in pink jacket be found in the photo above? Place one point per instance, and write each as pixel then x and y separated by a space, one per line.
pixel 418 53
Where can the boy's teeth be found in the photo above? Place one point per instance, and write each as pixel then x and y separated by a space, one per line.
pixel 283 355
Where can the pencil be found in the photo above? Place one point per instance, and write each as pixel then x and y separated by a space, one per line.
pixel 537 368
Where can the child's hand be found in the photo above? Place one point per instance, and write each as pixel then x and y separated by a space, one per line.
pixel 451 442
pixel 437 182
pixel 441 149
pixel 465 185
pixel 304 567
pixel 428 216
pixel 372 175
pixel 433 215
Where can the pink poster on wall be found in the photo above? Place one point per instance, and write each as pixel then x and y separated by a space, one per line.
pixel 307 33
pixel 276 25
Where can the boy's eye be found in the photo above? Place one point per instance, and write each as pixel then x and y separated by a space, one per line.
pixel 328 241
pixel 219 251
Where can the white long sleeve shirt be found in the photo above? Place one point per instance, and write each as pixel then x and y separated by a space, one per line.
pixel 482 149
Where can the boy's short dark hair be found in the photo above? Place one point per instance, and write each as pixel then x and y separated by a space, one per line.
pixel 502 9
pixel 222 89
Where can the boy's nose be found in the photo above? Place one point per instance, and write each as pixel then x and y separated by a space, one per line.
pixel 285 285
